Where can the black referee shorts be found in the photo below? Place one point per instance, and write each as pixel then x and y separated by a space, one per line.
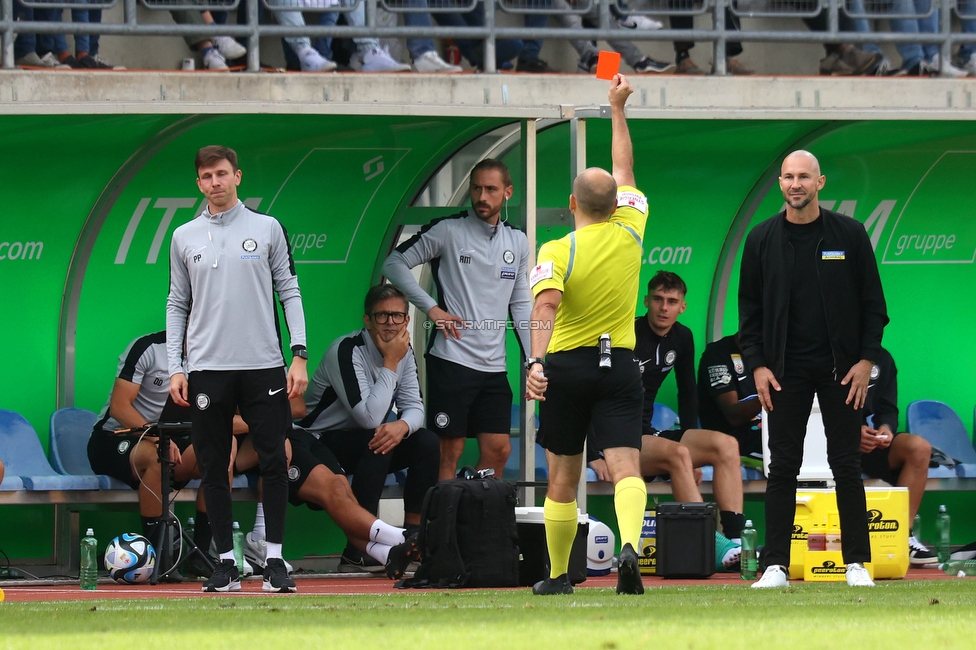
pixel 581 393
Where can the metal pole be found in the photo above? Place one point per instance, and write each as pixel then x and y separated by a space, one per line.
pixel 577 164
pixel 254 40
pixel 489 62
pixel 527 493
pixel 720 66
pixel 7 13
pixel 945 26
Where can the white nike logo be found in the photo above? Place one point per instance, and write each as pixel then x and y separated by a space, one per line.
pixel 275 392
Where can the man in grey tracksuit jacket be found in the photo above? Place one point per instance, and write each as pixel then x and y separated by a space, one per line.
pixel 225 266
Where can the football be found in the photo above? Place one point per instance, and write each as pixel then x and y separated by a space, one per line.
pixel 130 559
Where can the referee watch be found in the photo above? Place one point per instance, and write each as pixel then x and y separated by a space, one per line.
pixel 299 351
pixel 531 361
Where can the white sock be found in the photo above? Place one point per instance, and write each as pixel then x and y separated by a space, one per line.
pixel 274 550
pixel 378 551
pixel 229 555
pixel 257 533
pixel 384 533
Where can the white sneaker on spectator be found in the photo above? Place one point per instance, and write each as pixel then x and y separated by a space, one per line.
pixel 970 65
pixel 214 60
pixel 774 577
pixel 378 59
pixel 47 61
pixel 948 70
pixel 432 62
pixel 229 48
pixel 640 22
pixel 312 61
pixel 858 576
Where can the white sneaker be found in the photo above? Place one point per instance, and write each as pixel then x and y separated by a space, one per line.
pixel 967 552
pixel 919 554
pixel 947 70
pixel 640 22
pixel 214 60
pixel 970 65
pixel 774 577
pixel 312 61
pixel 378 59
pixel 51 61
pixel 256 552
pixel 229 48
pixel 432 62
pixel 858 576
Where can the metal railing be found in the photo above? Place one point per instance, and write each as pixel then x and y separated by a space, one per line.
pixel 253 18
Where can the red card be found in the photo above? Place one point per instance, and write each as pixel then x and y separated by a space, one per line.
pixel 607 65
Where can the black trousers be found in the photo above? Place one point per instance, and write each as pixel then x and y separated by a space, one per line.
pixel 732 48
pixel 787 428
pixel 419 454
pixel 215 397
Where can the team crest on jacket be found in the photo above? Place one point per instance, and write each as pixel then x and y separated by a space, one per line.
pixel 669 357
pixel 250 245
pixel 508 257
pixel 203 401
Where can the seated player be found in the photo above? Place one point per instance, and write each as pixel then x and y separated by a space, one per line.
pixel 729 404
pixel 364 403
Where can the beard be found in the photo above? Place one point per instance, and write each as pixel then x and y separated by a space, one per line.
pixel 799 204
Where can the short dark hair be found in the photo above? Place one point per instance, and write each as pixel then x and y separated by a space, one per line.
pixel 213 154
pixel 379 293
pixel 489 164
pixel 667 281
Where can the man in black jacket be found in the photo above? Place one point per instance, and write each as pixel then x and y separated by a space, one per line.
pixel 811 316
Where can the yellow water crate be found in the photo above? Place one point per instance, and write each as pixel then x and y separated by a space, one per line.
pixel 887 523
pixel 827 566
pixel 647 554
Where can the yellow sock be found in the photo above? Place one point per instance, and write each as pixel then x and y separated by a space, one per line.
pixel 629 501
pixel 561 527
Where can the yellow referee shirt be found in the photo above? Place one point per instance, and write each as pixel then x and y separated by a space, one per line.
pixel 597 269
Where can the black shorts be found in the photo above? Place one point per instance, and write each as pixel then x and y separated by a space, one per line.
pixel 875 464
pixel 580 392
pixel 671 434
pixel 307 452
pixel 109 453
pixel 461 402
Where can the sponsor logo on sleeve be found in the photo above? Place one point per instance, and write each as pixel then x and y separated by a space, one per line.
pixel 738 365
pixel 719 376
pixel 632 200
pixel 542 271
pixel 508 273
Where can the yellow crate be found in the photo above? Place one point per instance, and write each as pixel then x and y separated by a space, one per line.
pixel 647 554
pixel 887 523
pixel 827 566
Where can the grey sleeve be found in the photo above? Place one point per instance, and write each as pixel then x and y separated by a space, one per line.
pixel 520 304
pixel 423 247
pixel 286 285
pixel 177 307
pixel 409 404
pixel 367 402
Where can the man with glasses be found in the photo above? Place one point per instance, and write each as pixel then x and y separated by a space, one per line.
pixel 364 379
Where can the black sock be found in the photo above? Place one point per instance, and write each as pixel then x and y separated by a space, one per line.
pixel 202 533
pixel 150 529
pixel 681 55
pixel 732 523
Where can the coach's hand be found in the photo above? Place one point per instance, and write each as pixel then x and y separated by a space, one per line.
pixel 179 389
pixel 765 379
pixel 536 383
pixel 858 377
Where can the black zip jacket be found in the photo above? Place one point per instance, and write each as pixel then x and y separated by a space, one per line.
pixel 854 301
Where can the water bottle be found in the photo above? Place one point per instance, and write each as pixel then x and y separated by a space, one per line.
pixel 239 547
pixel 944 547
pixel 747 563
pixel 959 568
pixel 89 560
pixel 917 527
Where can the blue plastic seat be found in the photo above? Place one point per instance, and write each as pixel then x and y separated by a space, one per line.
pixel 23 456
pixel 511 472
pixel 664 417
pixel 939 424
pixel 68 449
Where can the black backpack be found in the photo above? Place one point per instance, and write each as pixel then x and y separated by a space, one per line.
pixel 468 536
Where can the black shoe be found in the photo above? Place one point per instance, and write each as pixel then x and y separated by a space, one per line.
pixel 553 586
pixel 401 556
pixel 194 566
pixel 276 577
pixel 225 577
pixel 628 572
pixel 533 65
pixel 93 63
pixel 648 65
pixel 72 61
pixel 355 561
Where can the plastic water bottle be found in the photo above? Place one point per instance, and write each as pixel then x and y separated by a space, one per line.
pixel 239 547
pixel 944 547
pixel 747 563
pixel 959 568
pixel 89 560
pixel 917 527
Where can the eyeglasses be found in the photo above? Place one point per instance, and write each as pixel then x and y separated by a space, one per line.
pixel 383 317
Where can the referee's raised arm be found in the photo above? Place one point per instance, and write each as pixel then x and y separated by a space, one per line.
pixel 621 148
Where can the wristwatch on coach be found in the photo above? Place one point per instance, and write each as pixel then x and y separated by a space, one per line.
pixel 532 361
pixel 299 351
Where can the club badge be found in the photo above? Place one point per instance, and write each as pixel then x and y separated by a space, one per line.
pixel 875 372
pixel 203 401
pixel 508 257
pixel 442 420
pixel 250 245
pixel 669 357
pixel 124 446
pixel 294 473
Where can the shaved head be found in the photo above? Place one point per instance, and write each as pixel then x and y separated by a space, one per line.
pixel 804 157
pixel 595 192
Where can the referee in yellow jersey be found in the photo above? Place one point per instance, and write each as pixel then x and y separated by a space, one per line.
pixel 586 286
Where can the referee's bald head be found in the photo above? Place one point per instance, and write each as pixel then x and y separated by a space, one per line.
pixel 596 192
